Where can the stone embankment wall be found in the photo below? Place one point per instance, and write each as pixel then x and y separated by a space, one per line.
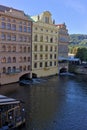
pixel 79 69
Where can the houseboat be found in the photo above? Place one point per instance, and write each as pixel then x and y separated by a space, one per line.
pixel 12 113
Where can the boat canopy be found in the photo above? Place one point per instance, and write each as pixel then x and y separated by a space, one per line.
pixel 6 100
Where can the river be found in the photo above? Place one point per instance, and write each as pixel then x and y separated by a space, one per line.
pixel 58 104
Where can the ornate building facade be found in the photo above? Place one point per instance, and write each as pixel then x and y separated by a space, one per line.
pixel 63 41
pixel 44 46
pixel 15 44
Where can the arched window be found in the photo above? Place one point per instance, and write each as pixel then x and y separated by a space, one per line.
pixel 14 59
pixel 9 69
pixel 35 38
pixel 3 48
pixel 3 60
pixel 4 70
pixel 9 59
pixel 14 69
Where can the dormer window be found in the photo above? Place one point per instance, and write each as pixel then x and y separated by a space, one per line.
pixel 46 19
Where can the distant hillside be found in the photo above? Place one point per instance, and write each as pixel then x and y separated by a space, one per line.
pixel 78 39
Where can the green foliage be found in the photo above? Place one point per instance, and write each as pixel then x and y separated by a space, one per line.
pixel 76 39
pixel 82 54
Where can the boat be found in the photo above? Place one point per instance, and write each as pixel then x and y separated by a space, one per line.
pixel 12 113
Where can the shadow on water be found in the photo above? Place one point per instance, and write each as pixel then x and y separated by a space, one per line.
pixel 58 104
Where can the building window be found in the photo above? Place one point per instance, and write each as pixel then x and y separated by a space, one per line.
pixel 4 70
pixel 24 49
pixel 3 25
pixel 9 59
pixel 41 57
pixel 3 60
pixel 29 49
pixel 14 59
pixel 35 38
pixel 3 18
pixel 41 39
pixel 55 63
pixel 24 59
pixel 35 48
pixel 14 48
pixel 46 56
pixel 13 27
pixel 20 38
pixel 28 59
pixel 20 28
pixel 20 49
pixel 25 29
pixel 9 48
pixel 3 36
pixel 46 19
pixel 55 56
pixel 24 68
pixel 20 59
pixel 14 69
pixel 29 39
pixel 28 67
pixel 51 48
pixel 51 40
pixel 50 56
pixel 8 37
pixel 50 63
pixel 46 48
pixel 35 57
pixel 13 38
pixel 25 38
pixel 46 64
pixel 8 26
pixel 41 48
pixel 41 65
pixel 4 48
pixel 29 29
pixel 35 65
pixel 20 68
pixel 9 69
pixel 46 38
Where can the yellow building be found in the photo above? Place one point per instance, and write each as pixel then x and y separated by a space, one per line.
pixel 63 41
pixel 44 46
pixel 15 44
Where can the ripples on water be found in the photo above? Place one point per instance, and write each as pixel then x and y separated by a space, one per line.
pixel 58 104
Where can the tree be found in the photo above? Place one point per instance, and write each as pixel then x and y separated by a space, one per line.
pixel 82 54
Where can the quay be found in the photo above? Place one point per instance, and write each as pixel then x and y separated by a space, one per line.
pixel 12 113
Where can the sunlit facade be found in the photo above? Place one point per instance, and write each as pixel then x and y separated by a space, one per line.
pixel 15 44
pixel 44 46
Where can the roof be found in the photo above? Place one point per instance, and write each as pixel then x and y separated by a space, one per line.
pixel 6 100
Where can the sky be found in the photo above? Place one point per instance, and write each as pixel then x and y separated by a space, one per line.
pixel 71 12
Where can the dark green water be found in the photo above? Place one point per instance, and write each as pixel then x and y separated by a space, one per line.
pixel 58 104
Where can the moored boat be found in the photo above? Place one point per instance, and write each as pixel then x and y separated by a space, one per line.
pixel 12 113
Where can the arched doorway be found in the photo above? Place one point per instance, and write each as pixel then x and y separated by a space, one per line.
pixel 63 70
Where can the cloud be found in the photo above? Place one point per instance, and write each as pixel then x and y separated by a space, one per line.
pixel 76 5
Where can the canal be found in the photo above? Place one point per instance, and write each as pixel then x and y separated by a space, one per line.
pixel 60 103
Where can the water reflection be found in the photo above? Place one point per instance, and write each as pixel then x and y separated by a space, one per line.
pixel 58 104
